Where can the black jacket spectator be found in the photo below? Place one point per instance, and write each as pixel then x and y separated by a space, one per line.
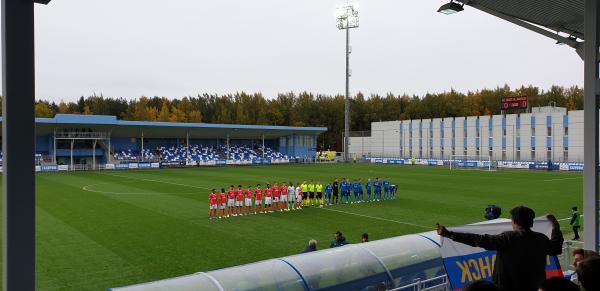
pixel 312 246
pixel 521 254
pixel 309 249
pixel 339 240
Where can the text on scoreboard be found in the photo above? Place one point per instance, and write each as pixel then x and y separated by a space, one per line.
pixel 514 103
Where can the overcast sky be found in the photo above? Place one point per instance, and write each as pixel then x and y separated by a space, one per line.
pixel 129 48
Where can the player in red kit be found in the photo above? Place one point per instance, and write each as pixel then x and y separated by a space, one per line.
pixel 230 201
pixel 239 200
pixel 222 203
pixel 276 196
pixel 258 199
pixel 212 201
pixel 248 200
pixel 284 197
pixel 268 194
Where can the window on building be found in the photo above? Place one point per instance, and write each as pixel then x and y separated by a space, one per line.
pixel 549 131
pixel 465 152
pixel 420 153
pixel 549 155
pixel 533 131
pixel 533 154
pixel 566 155
pixel 518 132
pixel 504 154
pixel 504 132
pixel 490 153
pixel 477 152
pixel 431 153
pixel 518 158
pixel 566 131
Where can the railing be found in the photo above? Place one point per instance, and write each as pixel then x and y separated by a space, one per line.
pixel 81 135
pixel 426 285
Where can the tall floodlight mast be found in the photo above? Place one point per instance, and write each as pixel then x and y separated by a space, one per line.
pixel 347 18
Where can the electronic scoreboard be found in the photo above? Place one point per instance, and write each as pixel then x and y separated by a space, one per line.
pixel 512 103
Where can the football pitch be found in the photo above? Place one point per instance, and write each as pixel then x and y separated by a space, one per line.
pixel 104 229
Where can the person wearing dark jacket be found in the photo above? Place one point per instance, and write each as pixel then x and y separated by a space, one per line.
pixel 521 253
pixel 335 187
pixel 312 246
pixel 339 240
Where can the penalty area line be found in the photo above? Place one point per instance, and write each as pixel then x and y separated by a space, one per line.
pixel 379 218
pixel 157 181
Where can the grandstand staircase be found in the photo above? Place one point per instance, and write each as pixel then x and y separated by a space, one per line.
pixel 102 144
pixel 219 153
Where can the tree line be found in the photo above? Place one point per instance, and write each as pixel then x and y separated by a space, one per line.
pixel 308 109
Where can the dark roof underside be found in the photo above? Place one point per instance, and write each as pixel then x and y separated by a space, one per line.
pixel 559 15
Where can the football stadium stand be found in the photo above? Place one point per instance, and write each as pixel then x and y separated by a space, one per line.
pixel 525 140
pixel 71 142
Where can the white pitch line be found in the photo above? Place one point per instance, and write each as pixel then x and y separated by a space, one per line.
pixel 379 218
pixel 87 188
pixel 560 179
pixel 158 181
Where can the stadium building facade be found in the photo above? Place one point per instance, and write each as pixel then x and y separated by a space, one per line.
pixel 69 141
pixel 547 133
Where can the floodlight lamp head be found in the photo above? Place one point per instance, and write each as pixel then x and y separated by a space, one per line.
pixel 42 1
pixel 347 16
pixel 451 8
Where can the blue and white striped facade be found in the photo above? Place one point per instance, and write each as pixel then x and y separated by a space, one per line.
pixel 546 133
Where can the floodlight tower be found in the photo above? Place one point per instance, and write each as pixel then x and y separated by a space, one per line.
pixel 347 18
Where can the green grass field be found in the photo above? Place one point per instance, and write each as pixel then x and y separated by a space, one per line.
pixel 105 229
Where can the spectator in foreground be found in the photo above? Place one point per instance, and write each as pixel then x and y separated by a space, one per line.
pixel 588 273
pixel 521 253
pixel 481 285
pixel 312 246
pixel 365 237
pixel 558 284
pixel 580 254
pixel 339 240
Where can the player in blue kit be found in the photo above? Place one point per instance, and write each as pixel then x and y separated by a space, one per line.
pixel 377 186
pixel 348 189
pixel 393 190
pixel 368 186
pixel 343 191
pixel 358 190
pixel 328 191
pixel 386 189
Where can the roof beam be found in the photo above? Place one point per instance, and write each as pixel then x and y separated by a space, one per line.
pixel 578 46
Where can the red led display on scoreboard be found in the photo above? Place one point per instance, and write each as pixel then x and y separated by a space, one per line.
pixel 514 103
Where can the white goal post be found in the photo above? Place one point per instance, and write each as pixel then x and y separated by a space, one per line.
pixel 467 162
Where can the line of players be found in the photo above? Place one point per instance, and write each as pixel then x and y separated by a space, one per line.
pixel 286 197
